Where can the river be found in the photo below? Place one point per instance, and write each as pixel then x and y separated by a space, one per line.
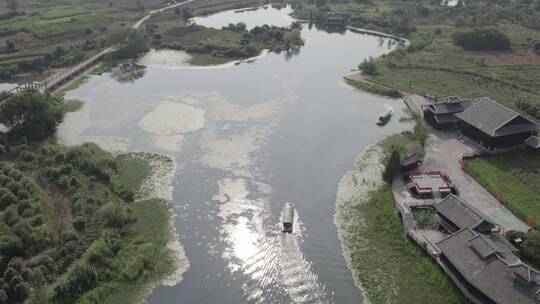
pixel 246 139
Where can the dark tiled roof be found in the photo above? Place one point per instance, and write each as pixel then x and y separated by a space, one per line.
pixel 489 116
pixel 514 129
pixel 533 141
pixel 459 213
pixel 482 247
pixel 446 118
pixel 450 107
pixel 526 273
pixel 488 273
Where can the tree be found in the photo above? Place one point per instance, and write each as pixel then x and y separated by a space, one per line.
pixel 30 114
pixel 368 67
pixel 392 166
pixel 7 199
pixel 39 292
pixel 530 249
pixel 135 43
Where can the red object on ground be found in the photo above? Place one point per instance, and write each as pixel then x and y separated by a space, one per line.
pixel 530 221
pixel 498 194
pixel 463 164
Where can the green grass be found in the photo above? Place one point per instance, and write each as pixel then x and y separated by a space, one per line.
pixel 516 175
pixel 151 229
pixel 206 59
pixel 403 264
pixel 374 88
pixel 75 83
pixel 133 169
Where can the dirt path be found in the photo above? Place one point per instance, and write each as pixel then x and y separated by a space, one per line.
pixel 80 69
pixel 151 13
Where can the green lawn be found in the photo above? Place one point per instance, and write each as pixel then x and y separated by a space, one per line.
pixel 516 175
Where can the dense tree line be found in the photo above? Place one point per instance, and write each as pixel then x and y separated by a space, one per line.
pixel 482 39
pixel 250 44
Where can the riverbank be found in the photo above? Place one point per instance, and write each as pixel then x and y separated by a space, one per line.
pixel 150 175
pixel 386 266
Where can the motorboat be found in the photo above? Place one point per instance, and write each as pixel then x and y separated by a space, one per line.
pixel 288 217
pixel 384 118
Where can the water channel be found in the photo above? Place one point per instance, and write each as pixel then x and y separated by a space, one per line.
pixel 246 139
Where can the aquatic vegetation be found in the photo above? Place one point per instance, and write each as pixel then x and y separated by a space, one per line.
pixel 167 59
pixel 173 118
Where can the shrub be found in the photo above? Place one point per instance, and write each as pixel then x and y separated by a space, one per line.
pixel 114 214
pixel 23 230
pixel 127 196
pixel 368 67
pixel 77 281
pixel 66 169
pixel 23 194
pixel 4 191
pixel 7 200
pixel 79 223
pixel 23 205
pixel 37 220
pixel 27 213
pixel 59 157
pixel 15 174
pixel 52 173
pixel 27 156
pixel 74 181
pixel 14 187
pixel 63 182
pixel 482 39
pixel 11 246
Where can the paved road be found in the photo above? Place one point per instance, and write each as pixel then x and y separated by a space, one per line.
pixel 443 152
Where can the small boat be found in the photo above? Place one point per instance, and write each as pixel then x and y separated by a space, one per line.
pixel 384 118
pixel 288 217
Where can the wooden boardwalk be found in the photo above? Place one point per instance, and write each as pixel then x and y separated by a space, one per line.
pixel 57 80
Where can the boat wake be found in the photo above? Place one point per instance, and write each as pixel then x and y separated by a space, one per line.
pixel 279 265
pixel 273 261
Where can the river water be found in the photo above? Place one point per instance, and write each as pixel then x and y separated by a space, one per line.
pixel 246 139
